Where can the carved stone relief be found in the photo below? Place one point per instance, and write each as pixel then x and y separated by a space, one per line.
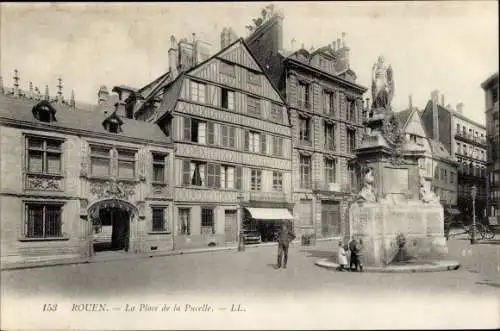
pixel 43 183
pixel 112 189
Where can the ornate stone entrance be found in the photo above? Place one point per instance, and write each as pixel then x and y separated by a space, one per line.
pixel 112 223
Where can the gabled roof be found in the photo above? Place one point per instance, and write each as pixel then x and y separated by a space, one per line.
pixel 171 96
pixel 19 110
pixel 428 107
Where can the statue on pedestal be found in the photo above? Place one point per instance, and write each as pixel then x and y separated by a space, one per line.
pixel 367 193
pixel 426 196
pixel 382 85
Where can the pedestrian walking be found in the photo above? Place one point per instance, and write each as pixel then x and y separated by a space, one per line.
pixel 342 257
pixel 285 236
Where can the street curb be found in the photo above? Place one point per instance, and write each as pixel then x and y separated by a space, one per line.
pixel 443 265
pixel 33 265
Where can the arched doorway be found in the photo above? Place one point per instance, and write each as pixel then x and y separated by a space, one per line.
pixel 111 224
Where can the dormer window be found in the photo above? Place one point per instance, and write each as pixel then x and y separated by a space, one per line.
pixel 44 112
pixel 113 124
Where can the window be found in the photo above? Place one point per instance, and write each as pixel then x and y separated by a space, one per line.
pixel 193 173
pixel 195 130
pixel 43 220
pixel 158 168
pixel 113 124
pixel 44 156
pixel 207 221
pixel 329 136
pixel 442 174
pixel 227 177
pixel 351 141
pixel 330 170
pixel 494 94
pixel 304 129
pixel 445 175
pixel 227 99
pixel 253 78
pixel 303 98
pixel 253 106
pixel 276 113
pixel 198 92
pixel 159 223
pixel 228 136
pixel 184 221
pixel 255 179
pixel 44 112
pixel 100 159
pixel 126 164
pixel 277 181
pixel 305 171
pixel 436 173
pixel 227 69
pixel 213 175
pixel 328 102
pixel 458 128
pixel 277 146
pixel 252 141
pixel 351 110
pixel 459 148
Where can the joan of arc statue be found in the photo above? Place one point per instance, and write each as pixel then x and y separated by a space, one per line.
pixel 382 85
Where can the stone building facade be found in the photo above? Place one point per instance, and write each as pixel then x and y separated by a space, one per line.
pixel 75 183
pixel 437 166
pixel 326 112
pixel 231 133
pixel 464 140
pixel 490 87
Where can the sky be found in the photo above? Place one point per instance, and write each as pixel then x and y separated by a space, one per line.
pixel 437 45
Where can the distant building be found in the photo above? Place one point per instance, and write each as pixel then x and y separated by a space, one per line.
pixel 326 112
pixel 464 140
pixel 74 182
pixel 231 133
pixel 437 166
pixel 490 87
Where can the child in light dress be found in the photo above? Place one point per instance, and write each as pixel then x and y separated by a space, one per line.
pixel 342 257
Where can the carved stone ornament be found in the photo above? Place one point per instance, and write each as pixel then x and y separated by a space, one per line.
pixel 43 183
pixel 367 193
pixel 112 189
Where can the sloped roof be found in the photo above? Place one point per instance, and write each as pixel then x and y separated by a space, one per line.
pixel 20 110
pixel 438 149
pixel 171 96
pixel 428 106
pixel 403 117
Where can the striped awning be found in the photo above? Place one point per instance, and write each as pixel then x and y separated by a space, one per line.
pixel 270 213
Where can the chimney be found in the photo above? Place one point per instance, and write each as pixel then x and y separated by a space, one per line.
pixel 343 39
pixel 410 101
pixel 435 115
pixel 460 107
pixel 120 108
pixel 343 53
pixel 2 90
pixel 339 45
pixel 227 37
pixel 173 57
pixel 102 94
pixel 37 93
pixel 202 51
pixel 334 46
pixel 293 44
pixel 442 100
pixel 266 35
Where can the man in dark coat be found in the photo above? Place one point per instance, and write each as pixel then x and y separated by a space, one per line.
pixel 354 261
pixel 285 236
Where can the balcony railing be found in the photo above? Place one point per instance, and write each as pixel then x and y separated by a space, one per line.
pixel 332 187
pixel 268 196
pixel 471 139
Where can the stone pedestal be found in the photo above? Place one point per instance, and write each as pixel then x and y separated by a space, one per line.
pixel 378 225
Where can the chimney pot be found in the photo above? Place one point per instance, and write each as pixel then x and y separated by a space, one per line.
pixel 343 39
pixel 410 101
pixel 442 100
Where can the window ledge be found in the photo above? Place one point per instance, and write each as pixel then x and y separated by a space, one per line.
pixel 25 239
pixel 160 232
pixel 42 174
pixel 159 183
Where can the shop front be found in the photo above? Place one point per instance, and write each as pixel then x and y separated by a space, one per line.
pixel 261 225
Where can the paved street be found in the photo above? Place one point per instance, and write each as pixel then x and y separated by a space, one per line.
pixel 251 275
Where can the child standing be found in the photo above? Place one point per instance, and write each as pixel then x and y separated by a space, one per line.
pixel 342 257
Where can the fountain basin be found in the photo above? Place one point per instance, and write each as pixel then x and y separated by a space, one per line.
pixel 428 266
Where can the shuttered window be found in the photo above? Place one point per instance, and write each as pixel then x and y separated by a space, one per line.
pixel 213 175
pixel 253 106
pixel 210 133
pixel 239 175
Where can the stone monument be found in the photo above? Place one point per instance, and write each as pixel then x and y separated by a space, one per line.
pixel 394 215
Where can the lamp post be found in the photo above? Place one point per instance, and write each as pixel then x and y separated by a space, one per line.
pixel 473 193
pixel 241 243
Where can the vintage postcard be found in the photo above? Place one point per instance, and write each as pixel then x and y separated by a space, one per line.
pixel 249 165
